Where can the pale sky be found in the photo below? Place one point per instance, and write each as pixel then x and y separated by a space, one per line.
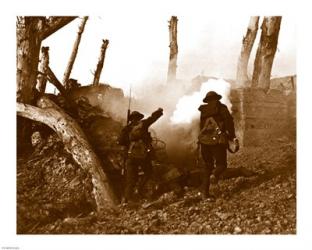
pixel 138 49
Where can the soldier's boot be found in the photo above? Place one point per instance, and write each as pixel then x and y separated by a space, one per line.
pixel 213 179
pixel 208 197
pixel 123 201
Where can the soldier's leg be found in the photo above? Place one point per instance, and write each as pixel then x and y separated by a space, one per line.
pixel 131 178
pixel 146 166
pixel 206 169
pixel 220 154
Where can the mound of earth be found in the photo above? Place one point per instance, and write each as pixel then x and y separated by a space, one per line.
pixel 54 197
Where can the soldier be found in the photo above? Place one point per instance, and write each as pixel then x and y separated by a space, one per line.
pixel 216 128
pixel 139 147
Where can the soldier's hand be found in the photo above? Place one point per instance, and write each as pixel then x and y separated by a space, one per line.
pixel 160 110
pixel 236 142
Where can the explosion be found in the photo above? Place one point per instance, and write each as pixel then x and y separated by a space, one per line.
pixel 187 107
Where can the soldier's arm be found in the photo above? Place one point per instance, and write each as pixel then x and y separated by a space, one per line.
pixel 229 123
pixel 153 117
pixel 202 118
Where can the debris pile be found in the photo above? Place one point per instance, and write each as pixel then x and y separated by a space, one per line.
pixel 265 203
pixel 50 185
pixel 54 194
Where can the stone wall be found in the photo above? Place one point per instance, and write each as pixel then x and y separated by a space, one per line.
pixel 261 116
pixel 286 83
pixel 291 115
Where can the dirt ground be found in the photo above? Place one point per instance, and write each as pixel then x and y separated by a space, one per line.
pixel 54 196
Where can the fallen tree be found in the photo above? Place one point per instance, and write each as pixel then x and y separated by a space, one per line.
pixel 75 143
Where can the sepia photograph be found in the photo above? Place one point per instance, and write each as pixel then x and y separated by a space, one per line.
pixel 210 154
pixel 154 120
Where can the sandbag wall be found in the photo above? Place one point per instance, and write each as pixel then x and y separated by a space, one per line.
pixel 262 117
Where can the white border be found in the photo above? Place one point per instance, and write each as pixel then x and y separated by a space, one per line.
pixel 10 9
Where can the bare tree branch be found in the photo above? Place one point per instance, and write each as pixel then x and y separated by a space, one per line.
pixel 53 24
pixel 53 79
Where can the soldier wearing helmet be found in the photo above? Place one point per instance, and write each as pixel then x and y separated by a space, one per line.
pixel 137 141
pixel 216 129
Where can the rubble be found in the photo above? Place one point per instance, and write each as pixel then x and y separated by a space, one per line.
pixel 50 185
pixel 54 195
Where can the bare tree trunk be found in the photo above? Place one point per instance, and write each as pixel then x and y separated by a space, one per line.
pixel 248 41
pixel 74 51
pixel 266 52
pixel 43 69
pixel 75 143
pixel 27 51
pixel 173 33
pixel 30 31
pixel 100 63
pixel 27 58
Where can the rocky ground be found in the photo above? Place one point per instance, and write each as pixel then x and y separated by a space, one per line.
pixel 54 196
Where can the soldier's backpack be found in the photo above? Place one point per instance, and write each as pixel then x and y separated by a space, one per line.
pixel 136 132
pixel 137 149
pixel 211 133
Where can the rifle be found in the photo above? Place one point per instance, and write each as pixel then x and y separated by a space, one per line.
pixel 198 153
pixel 129 104
pixel 128 120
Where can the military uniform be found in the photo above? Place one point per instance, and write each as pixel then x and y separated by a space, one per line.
pixel 215 154
pixel 139 150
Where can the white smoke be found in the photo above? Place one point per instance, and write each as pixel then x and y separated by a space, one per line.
pixel 187 107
